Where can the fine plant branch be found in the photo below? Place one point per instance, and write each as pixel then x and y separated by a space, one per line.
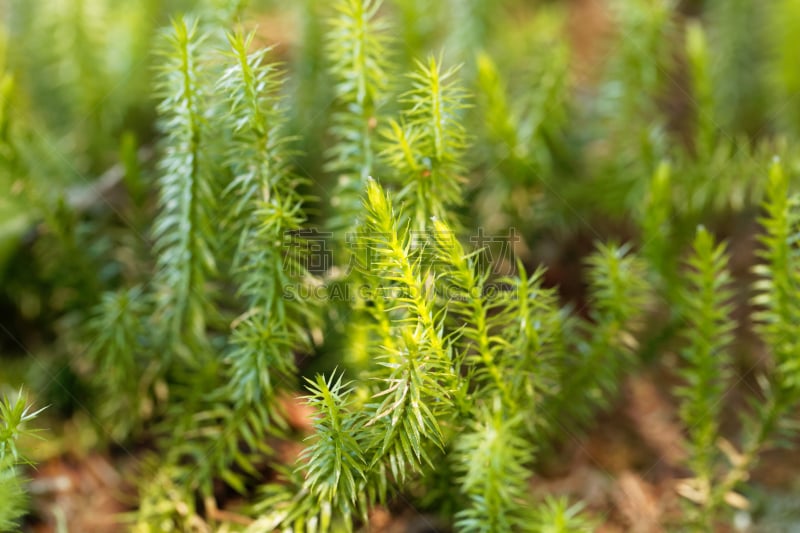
pixel 184 237
pixel 706 310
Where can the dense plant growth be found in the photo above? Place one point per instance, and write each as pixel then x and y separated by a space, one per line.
pixel 304 279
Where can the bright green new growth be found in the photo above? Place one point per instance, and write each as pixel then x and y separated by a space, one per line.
pixel 417 373
pixel 508 349
pixel 398 430
pixel 706 311
pixel 15 414
pixel 395 432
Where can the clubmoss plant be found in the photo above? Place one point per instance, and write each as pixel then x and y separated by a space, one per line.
pixel 278 283
pixel 15 415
